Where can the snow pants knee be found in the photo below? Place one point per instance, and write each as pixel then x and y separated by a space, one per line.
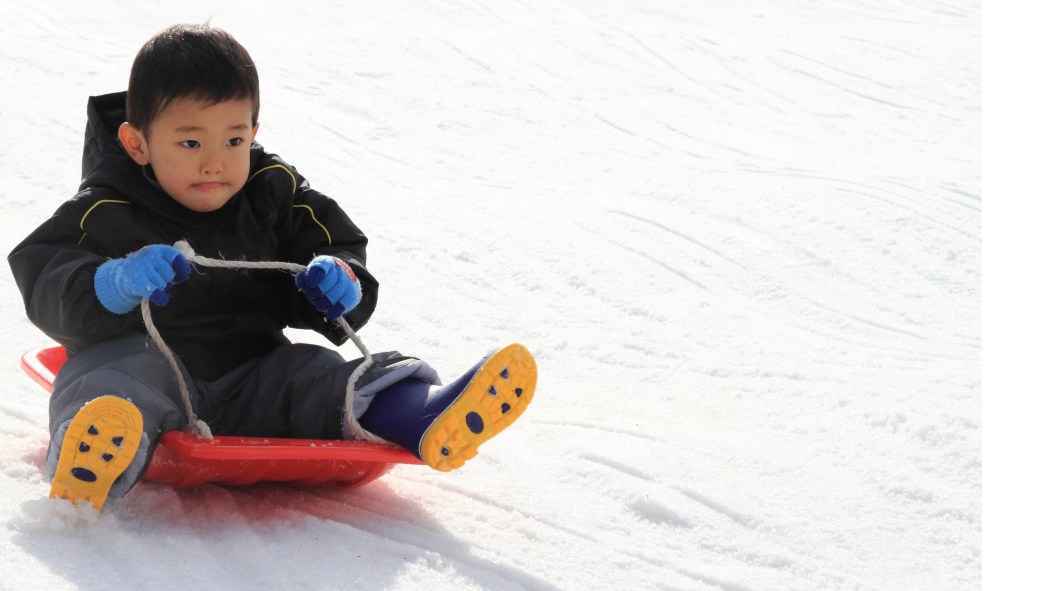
pixel 131 368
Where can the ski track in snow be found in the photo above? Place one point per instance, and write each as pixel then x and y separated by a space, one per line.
pixel 743 241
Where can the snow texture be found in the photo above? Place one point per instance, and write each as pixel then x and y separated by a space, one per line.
pixel 743 240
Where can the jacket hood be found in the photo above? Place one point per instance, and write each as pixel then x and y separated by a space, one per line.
pixel 104 158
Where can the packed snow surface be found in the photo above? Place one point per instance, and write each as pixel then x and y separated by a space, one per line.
pixel 742 239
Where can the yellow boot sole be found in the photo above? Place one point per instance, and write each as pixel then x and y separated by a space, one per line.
pixel 99 445
pixel 496 396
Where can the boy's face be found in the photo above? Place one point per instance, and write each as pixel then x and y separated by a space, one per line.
pixel 199 152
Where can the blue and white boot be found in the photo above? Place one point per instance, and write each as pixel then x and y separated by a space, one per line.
pixel 444 425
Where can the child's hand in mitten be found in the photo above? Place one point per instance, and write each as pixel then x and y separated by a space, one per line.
pixel 330 284
pixel 120 284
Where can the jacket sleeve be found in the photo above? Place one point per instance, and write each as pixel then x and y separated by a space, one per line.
pixel 319 226
pixel 55 275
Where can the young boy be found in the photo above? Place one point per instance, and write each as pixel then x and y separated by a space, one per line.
pixel 172 159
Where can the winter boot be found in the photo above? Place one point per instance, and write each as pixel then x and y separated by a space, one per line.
pixel 444 425
pixel 99 445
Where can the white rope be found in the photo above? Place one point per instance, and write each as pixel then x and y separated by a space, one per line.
pixel 198 426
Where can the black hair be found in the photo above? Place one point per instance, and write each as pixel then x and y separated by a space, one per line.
pixel 189 61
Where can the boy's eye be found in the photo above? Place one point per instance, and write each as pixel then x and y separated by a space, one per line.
pixel 235 141
pixel 190 144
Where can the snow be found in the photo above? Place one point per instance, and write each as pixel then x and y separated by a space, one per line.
pixel 743 240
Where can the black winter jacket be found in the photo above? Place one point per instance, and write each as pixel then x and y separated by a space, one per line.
pixel 217 319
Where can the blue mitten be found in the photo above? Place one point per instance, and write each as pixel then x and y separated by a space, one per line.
pixel 120 284
pixel 330 284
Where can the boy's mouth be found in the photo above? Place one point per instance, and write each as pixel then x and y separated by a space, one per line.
pixel 212 186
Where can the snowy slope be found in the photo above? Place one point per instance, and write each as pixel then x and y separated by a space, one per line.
pixel 742 238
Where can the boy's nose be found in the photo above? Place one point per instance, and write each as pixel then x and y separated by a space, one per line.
pixel 211 164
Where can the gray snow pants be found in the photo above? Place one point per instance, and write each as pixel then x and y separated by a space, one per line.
pixel 296 390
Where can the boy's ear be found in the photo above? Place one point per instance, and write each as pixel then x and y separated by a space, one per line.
pixel 134 142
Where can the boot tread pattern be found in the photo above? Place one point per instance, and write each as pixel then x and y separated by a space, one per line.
pixel 100 444
pixel 497 395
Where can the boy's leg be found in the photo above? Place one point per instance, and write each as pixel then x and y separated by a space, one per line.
pixel 297 391
pixel 444 425
pixel 110 404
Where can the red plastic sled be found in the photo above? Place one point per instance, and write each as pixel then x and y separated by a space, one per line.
pixel 182 460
